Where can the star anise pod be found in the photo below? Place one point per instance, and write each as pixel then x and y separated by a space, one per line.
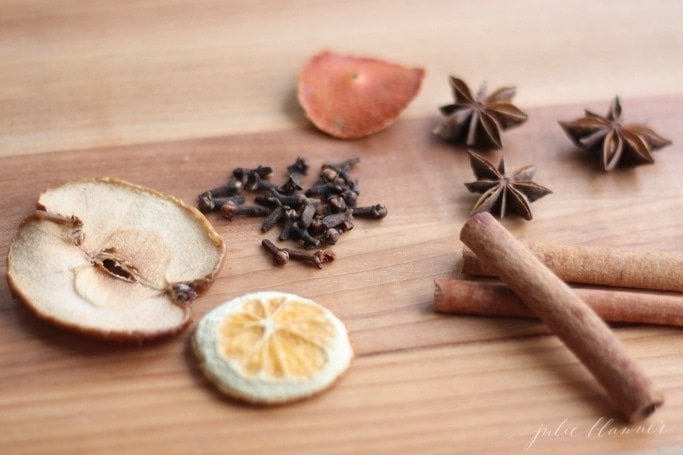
pixel 501 193
pixel 613 139
pixel 478 120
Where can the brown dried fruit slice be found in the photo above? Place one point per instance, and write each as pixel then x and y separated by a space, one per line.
pixel 113 259
pixel 351 97
pixel 272 347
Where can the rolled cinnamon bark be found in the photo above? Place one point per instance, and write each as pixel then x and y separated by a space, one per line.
pixel 657 271
pixel 581 330
pixel 495 299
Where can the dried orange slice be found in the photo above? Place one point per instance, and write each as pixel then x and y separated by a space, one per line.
pixel 272 347
pixel 352 97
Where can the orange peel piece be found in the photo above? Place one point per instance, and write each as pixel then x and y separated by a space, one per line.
pixel 351 97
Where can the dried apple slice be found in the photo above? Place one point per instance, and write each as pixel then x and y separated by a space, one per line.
pixel 114 260
pixel 351 97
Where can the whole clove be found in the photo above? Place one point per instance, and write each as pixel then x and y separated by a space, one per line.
pixel 267 200
pixel 301 233
pixel 316 216
pixel 340 172
pixel 246 174
pixel 250 178
pixel 272 219
pixel 289 216
pixel 374 211
pixel 307 213
pixel 344 166
pixel 297 171
pixel 350 197
pixel 292 200
pixel 316 259
pixel 317 228
pixel 342 220
pixel 322 210
pixel 331 236
pixel 337 204
pixel 291 186
pixel 233 187
pixel 207 202
pixel 326 189
pixel 280 255
pixel 264 185
pixel 230 210
pixel 299 167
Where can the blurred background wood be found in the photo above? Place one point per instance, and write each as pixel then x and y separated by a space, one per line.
pixel 175 94
pixel 80 74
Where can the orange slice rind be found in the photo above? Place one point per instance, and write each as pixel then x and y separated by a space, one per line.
pixel 272 347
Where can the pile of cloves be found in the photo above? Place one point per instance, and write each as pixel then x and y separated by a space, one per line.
pixel 314 217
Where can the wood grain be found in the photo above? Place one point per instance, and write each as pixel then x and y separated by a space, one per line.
pixel 81 83
pixel 76 74
pixel 421 381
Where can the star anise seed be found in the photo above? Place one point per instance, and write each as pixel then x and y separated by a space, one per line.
pixel 501 193
pixel 613 139
pixel 478 120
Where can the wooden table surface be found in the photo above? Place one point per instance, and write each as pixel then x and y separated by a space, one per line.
pixel 175 94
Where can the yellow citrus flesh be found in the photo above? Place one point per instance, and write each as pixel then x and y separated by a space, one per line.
pixel 277 338
pixel 272 347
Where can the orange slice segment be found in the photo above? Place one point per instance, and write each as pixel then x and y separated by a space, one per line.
pixel 272 347
pixel 352 97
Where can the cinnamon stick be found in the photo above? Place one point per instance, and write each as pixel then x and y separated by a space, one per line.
pixel 572 320
pixel 658 271
pixel 495 299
